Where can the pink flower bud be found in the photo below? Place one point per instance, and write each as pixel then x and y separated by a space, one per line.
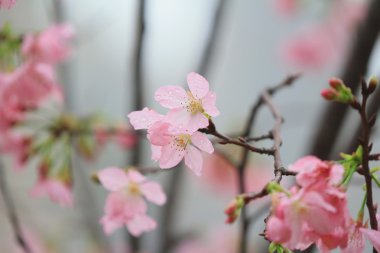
pixel 329 94
pixel 336 83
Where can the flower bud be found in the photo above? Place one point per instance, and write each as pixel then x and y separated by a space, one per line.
pixel 233 209
pixel 336 83
pixel 373 82
pixel 329 94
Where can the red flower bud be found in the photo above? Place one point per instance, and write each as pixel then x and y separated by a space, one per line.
pixel 329 94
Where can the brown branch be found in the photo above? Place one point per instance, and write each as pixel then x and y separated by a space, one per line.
pixel 138 95
pixel 12 214
pixel 264 99
pixel 367 124
pixel 356 66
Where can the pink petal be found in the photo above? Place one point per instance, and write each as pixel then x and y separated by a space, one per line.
pixel 120 205
pixel 208 104
pixel 201 141
pixel 373 236
pixel 158 133
pixel 135 176
pixel 356 242
pixel 156 152
pixel 170 156
pixel 193 159
pixel 141 223
pixel 110 224
pixel 179 118
pixel 197 121
pixel 113 179
pixel 171 96
pixel 277 231
pixel 198 85
pixel 153 192
pixel 144 119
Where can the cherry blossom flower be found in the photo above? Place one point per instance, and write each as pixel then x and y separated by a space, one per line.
pixel 170 144
pixel 311 170
pixel 189 109
pixel 356 242
pixel 177 144
pixel 7 3
pixel 125 204
pixel 286 7
pixel 50 46
pixel 372 235
pixel 310 216
pixel 57 190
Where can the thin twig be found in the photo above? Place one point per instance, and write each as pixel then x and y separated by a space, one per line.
pixel 12 214
pixel 264 99
pixel 367 124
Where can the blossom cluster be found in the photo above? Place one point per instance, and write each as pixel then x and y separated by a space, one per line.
pixel 7 3
pixel 176 136
pixel 33 123
pixel 315 211
pixel 125 204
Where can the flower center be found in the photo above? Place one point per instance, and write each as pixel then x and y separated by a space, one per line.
pixel 133 189
pixel 194 105
pixel 181 141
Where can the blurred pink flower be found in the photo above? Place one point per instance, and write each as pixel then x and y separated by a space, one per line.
pixel 49 46
pixel 311 170
pixel 125 204
pixel 356 242
pixel 310 216
pixel 7 3
pixel 313 48
pixel 25 89
pixel 189 109
pixel 372 235
pixel 125 137
pixel 57 190
pixel 221 175
pixel 16 145
pixel 286 7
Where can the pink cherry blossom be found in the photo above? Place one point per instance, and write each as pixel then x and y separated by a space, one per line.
pixel 26 88
pixel 7 3
pixel 125 204
pixel 311 170
pixel 177 144
pixel 220 175
pixel 55 189
pixel 313 48
pixel 50 46
pixel 372 235
pixel 356 242
pixel 286 7
pixel 189 109
pixel 310 216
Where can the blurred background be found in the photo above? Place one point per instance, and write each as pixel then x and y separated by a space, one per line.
pixel 241 47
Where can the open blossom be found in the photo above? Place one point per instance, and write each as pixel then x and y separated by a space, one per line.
pixel 189 109
pixel 171 144
pixel 177 144
pixel 57 190
pixel 49 46
pixel 125 204
pixel 7 3
pixel 356 242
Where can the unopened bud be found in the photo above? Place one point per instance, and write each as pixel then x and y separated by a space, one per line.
pixel 373 82
pixel 233 209
pixel 329 94
pixel 336 83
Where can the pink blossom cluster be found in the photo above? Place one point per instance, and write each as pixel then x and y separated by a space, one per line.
pixel 176 136
pixel 125 204
pixel 26 88
pixel 315 211
pixel 7 3
pixel 322 43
